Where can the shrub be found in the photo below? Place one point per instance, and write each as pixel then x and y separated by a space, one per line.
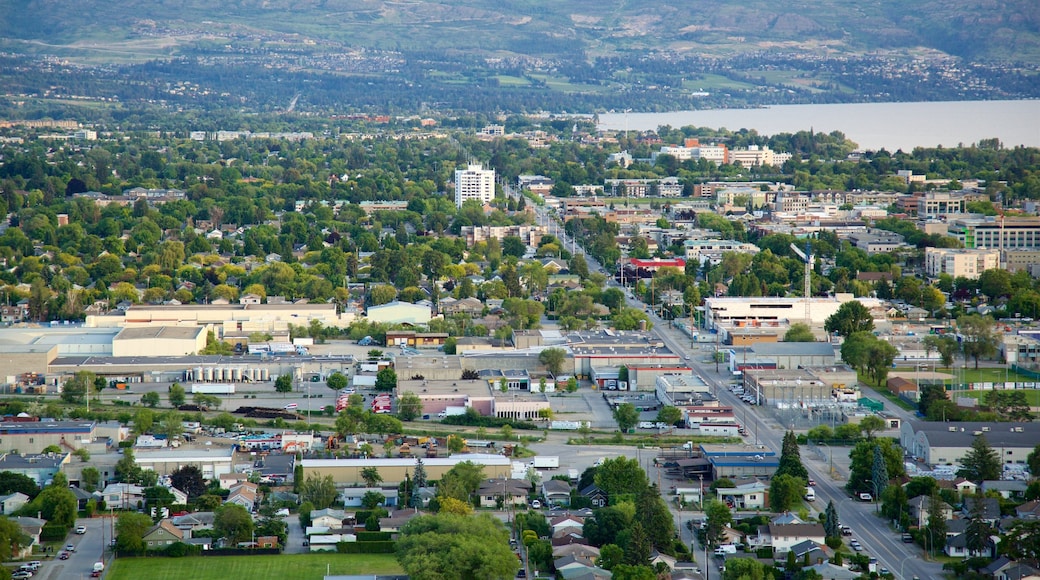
pixel 386 547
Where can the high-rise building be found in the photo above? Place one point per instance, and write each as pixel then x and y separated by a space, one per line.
pixel 474 182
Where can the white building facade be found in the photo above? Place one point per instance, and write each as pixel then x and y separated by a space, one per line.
pixel 474 182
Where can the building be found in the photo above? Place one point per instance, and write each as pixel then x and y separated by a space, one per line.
pixel 738 462
pixel 747 495
pixel 226 318
pixel 162 534
pixel 1000 233
pixel 474 182
pixel 948 443
pixel 168 340
pixel 39 468
pixel 34 436
pixel 755 156
pixel 958 262
pixel 774 308
pixel 212 461
pixel 347 472
pixel 397 312
pixel 793 355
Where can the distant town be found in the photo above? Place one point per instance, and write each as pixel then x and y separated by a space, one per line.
pixel 530 349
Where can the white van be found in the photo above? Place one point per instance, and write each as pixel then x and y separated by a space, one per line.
pixel 810 494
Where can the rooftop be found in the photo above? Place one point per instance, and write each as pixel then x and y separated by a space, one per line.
pixel 962 434
pixel 160 332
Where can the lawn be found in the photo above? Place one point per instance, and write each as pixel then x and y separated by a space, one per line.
pixel 1032 395
pixel 971 375
pixel 295 566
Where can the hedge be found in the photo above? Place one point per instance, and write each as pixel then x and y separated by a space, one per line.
pixel 373 536
pixel 53 533
pixel 365 547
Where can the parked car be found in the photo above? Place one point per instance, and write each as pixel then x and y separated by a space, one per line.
pixel 70 548
pixel 866 497
pixel 81 530
pixel 21 575
pixel 908 539
pixel 63 555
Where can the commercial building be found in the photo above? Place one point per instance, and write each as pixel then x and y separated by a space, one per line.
pixel 168 340
pixel 481 395
pixel 34 436
pixel 997 233
pixel 227 318
pixel 38 467
pixel 948 443
pixel 212 461
pixel 958 262
pixel 768 308
pixel 736 462
pixel 347 472
pixel 755 156
pixel 474 182
pixel 1028 260
pixel 399 312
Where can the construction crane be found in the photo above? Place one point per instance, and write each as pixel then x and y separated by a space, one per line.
pixel 807 257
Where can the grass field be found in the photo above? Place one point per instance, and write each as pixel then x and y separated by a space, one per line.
pixel 1032 395
pixel 284 566
pixel 982 375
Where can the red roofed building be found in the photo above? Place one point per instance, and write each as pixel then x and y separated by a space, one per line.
pixel 654 265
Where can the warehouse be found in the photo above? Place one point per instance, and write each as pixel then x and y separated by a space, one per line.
pixel 347 472
pixel 164 340
pixel 948 443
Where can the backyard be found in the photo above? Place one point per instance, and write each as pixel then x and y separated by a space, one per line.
pixel 296 566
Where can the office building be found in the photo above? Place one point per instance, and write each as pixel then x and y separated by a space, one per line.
pixel 959 262
pixel 474 182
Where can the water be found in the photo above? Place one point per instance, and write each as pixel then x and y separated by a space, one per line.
pixel 872 125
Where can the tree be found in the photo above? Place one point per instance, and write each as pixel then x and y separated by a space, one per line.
pixel 461 481
pixel 626 416
pixel 870 425
pixel 619 476
pixel 130 530
pixel 176 395
pixel 861 468
pixel 320 491
pixel 936 522
pixel 11 482
pixel 372 499
pixel 190 480
pixel 151 399
pixel 450 505
pixel 978 531
pixel 717 517
pixel 337 381
pixel 386 379
pixel 90 477
pixel 1033 460
pixel 452 546
pixel 865 352
pixel 12 539
pixel 610 555
pixel 283 384
pixel 1021 541
pixel 409 406
pixel 851 317
pixel 981 462
pixel 745 569
pixel 233 523
pixel 799 332
pixel 553 359
pixel 979 339
pixel 76 389
pixel 791 459
pixel 127 470
pixel 669 415
pixel 371 476
pixel 831 524
pixel 945 345
pixel 55 503
pixel 879 473
pixel 784 491
pixel 637 549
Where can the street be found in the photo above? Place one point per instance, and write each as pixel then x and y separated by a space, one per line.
pixel 90 548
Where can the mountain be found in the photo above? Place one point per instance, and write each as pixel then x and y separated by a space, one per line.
pixel 121 30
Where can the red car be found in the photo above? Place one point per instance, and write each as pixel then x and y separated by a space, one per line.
pixel 63 556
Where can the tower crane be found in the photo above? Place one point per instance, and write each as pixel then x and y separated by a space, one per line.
pixel 808 258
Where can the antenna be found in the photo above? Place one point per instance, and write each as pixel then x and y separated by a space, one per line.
pixel 807 289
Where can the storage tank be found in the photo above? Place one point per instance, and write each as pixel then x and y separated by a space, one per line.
pixel 208 374
pixel 236 374
pixel 198 374
pixel 265 374
pixel 248 374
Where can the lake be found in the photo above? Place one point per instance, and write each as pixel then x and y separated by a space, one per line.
pixel 872 125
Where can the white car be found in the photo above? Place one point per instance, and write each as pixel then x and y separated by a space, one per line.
pixel 81 530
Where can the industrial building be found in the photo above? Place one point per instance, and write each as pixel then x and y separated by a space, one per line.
pixel 168 340
pixel 28 437
pixel 399 313
pixel 948 443
pixel 769 309
pixel 347 472
pixel 225 318
pixel 213 461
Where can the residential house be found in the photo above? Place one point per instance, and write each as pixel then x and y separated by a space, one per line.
pixel 1028 511
pixel 330 518
pixel 188 523
pixel 1004 568
pixel 122 496
pixel 31 527
pixel 179 497
pixel 567 562
pixel 243 494
pixel 162 534
pixel 747 495
pixel 568 539
pixel 567 532
pixel 1012 489
pixel 227 480
pixel 817 553
pixel 919 510
pixel 957 547
pixel 352 496
pixel 396 520
pixel 83 496
pixel 659 558
pixel 507 491
pixel 781 537
pixel 562 522
pixel 576 550
pixel 585 573
pixel 556 492
pixel 11 502
pixel 990 509
pixel 597 496
pixel 961 486
pixel 828 571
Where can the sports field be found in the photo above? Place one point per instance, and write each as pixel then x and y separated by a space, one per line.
pixel 281 567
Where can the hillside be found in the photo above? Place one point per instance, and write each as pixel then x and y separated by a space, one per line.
pixel 131 29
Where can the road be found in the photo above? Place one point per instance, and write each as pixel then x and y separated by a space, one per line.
pixel 90 548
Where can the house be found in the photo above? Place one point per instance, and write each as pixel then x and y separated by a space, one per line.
pixel 162 534
pixel 597 496
pixel 828 571
pixel 1013 489
pixel 122 496
pixel 781 537
pixel 562 522
pixel 496 493
pixel 83 496
pixel 961 486
pixel 267 542
pixel 31 527
pixel 818 553
pixel 179 497
pixel 1028 511
pixel 576 550
pixel 748 495
pixel 956 547
pixel 1004 568
pixel 188 523
pixel 352 496
pixel 396 520
pixel 11 502
pixel 327 543
pixel 659 558
pixel 566 562
pixel 919 510
pixel 243 494
pixel 990 509
pixel 330 518
pixel 227 480
pixel 556 492
pixel 567 532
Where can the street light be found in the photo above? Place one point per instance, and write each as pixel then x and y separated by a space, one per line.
pixel 877 493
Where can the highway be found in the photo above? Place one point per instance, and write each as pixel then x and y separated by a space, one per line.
pixel 904 561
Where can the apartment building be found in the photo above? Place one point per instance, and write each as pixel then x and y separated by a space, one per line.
pixel 959 262
pixel 1015 233
pixel 474 182
pixel 755 156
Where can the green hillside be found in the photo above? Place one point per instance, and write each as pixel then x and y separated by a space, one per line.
pixel 973 29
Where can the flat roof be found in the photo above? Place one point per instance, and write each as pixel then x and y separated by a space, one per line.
pixel 433 387
pixel 793 348
pixel 162 332
pixel 478 458
pixel 185 453
pixel 710 450
pixel 1023 435
pixel 20 428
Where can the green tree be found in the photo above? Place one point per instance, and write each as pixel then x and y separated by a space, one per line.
pixel 791 459
pixel 784 492
pixel 90 477
pixel 936 529
pixel 144 419
pixel 284 384
pixel 452 546
pixel 831 524
pixel 799 332
pixel 409 406
pixel 945 345
pixel 337 381
pixel 717 517
pixel 371 476
pixel 76 389
pixel 981 462
pixel 130 530
pixel 870 425
pixel 861 468
pixel 879 473
pixel 233 523
pixel 1033 460
pixel 190 480
pixel 461 481
pixel 553 359
pixel 150 399
pixel 620 476
pixel 610 555
pixel 980 340
pixel 851 317
pixel 320 491
pixel 386 379
pixel 627 416
pixel 127 470
pixel 176 395
pixel 669 415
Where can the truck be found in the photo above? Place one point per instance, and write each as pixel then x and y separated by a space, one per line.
pixel 213 388
pixel 810 494
pixel 545 461
pixel 99 566
pixel 451 411
pixel 572 475
pixel 725 549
